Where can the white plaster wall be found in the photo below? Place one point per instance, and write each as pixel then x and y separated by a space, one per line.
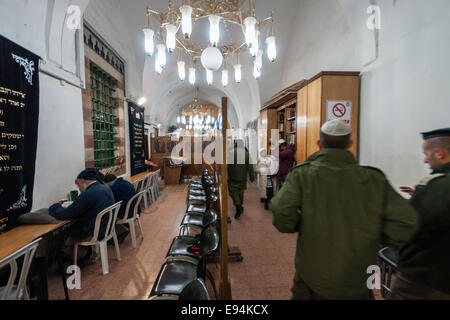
pixel 60 149
pixel 60 153
pixel 403 92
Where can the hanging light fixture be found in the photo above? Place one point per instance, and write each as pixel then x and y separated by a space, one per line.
pixel 182 70
pixel 149 37
pixel 231 13
pixel 259 60
pixel 225 77
pixel 255 45
pixel 256 71
pixel 209 77
pixel 186 21
pixel 161 56
pixel 250 30
pixel 238 71
pixel 192 75
pixel 214 30
pixel 171 39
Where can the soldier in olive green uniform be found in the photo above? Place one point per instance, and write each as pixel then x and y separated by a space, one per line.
pixel 424 262
pixel 342 212
pixel 237 176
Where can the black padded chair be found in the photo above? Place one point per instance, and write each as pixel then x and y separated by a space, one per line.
pixel 195 291
pixel 198 221
pixel 196 209
pixel 388 258
pixel 192 247
pixel 176 274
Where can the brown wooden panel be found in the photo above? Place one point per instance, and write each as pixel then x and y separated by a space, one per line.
pixel 302 116
pixel 314 118
pixel 346 88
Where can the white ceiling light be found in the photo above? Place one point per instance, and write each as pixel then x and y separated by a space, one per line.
pixel 212 59
pixel 256 71
pixel 209 77
pixel 192 76
pixel 250 28
pixel 171 39
pixel 259 60
pixel 149 41
pixel 186 20
pixel 237 73
pixel 161 56
pixel 182 70
pixel 231 12
pixel 255 45
pixel 214 30
pixel 225 77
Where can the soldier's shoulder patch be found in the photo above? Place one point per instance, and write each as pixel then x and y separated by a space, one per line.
pixel 375 169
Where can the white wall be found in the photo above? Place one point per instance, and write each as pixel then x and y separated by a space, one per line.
pixel 60 153
pixel 60 149
pixel 403 92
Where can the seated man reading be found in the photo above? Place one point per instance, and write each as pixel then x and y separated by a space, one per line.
pixel 94 198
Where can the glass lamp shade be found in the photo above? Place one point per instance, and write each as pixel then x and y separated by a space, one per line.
pixel 171 40
pixel 158 67
pixel 212 59
pixel 271 48
pixel 238 73
pixel 192 76
pixel 209 77
pixel 178 120
pixel 255 45
pixel 182 70
pixel 250 30
pixel 214 30
pixel 149 41
pixel 259 60
pixel 161 57
pixel 224 78
pixel 186 21
pixel 256 71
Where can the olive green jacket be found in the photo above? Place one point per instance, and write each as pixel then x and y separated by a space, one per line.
pixel 426 258
pixel 240 172
pixel 343 213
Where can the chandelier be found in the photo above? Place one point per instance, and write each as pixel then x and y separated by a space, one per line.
pixel 176 27
pixel 199 116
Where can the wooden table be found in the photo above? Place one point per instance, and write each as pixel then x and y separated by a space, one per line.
pixel 19 237
pixel 140 176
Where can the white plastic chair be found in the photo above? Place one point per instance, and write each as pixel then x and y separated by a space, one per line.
pixel 157 174
pixel 137 185
pixel 19 291
pixel 110 233
pixel 135 217
pixel 145 188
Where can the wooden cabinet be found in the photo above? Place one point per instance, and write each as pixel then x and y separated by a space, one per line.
pixel 268 121
pixel 329 95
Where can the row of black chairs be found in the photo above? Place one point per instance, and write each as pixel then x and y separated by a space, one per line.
pixel 184 273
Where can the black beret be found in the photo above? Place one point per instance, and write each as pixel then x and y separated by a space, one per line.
pixel 89 174
pixel 436 134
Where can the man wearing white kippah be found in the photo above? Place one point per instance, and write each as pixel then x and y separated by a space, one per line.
pixel 342 212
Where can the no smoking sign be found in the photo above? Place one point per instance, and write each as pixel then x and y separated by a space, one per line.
pixel 341 110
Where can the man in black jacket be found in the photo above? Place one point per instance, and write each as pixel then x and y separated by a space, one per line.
pixel 424 262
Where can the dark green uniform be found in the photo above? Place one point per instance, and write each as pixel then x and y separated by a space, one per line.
pixel 426 258
pixel 342 212
pixel 237 178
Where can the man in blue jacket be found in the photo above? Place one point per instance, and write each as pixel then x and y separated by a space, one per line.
pixel 94 198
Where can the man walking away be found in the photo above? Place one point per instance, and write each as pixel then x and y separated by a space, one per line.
pixel 342 213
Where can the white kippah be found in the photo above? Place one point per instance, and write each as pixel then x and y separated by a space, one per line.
pixel 281 141
pixel 337 128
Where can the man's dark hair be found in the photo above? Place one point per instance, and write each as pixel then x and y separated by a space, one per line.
pixel 332 142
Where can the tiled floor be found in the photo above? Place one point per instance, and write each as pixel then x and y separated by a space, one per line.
pixel 266 273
